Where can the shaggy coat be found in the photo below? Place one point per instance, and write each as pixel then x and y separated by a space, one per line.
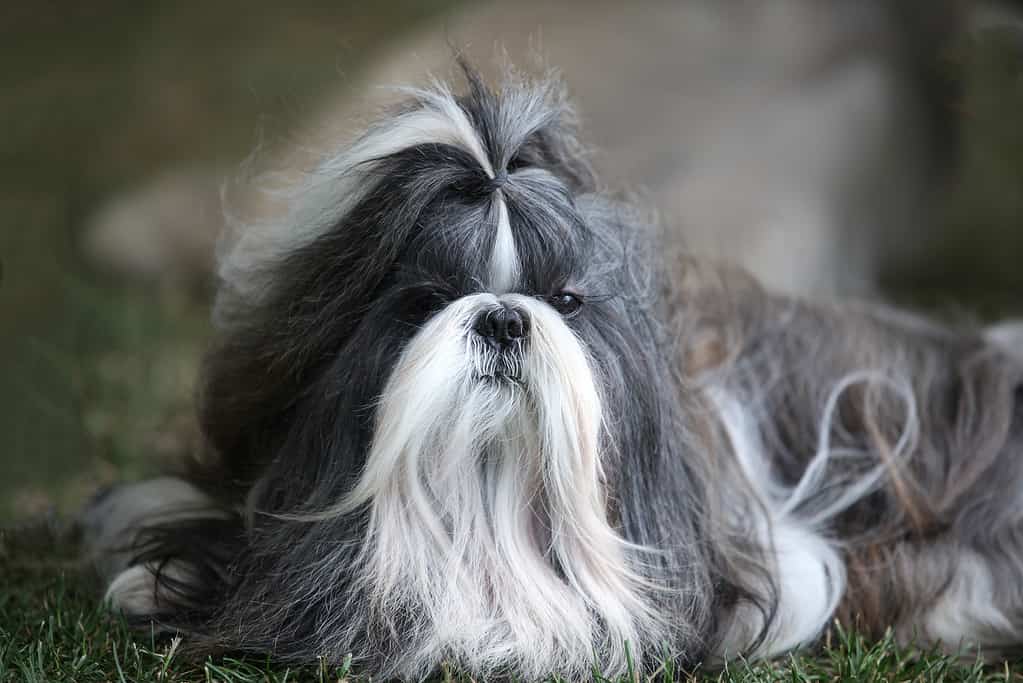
pixel 464 408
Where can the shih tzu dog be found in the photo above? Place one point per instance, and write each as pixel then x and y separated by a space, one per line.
pixel 464 409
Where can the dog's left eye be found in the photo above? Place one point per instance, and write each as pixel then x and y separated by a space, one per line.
pixel 565 303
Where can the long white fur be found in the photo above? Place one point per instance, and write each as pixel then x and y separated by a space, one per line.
pixel 478 495
pixel 808 570
pixel 135 591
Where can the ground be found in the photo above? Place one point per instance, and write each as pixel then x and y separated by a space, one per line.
pixel 97 373
pixel 51 629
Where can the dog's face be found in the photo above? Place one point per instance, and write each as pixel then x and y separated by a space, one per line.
pixel 491 322
pixel 460 271
pixel 436 369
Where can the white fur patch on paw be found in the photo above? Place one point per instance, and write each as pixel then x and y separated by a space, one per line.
pixel 135 591
pixel 111 524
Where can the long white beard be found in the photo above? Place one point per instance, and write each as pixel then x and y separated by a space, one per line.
pixel 487 519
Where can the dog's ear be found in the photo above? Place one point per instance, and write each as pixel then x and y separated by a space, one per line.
pixel 314 299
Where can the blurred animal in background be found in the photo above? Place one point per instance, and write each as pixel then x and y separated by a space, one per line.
pixel 803 140
pixel 464 408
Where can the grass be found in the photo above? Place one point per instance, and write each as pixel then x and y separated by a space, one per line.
pixel 53 629
pixel 96 375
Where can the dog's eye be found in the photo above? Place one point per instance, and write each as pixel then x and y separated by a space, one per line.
pixel 565 303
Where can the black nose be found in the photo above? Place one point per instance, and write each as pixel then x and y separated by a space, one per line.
pixel 502 326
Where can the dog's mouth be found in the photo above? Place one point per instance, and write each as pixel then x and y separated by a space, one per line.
pixel 501 380
pixel 501 365
pixel 501 371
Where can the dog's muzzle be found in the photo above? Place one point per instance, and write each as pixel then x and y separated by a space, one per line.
pixel 500 332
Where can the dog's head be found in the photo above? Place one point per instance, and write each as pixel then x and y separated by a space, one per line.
pixel 450 268
pixel 451 339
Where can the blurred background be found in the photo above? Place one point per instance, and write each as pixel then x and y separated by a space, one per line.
pixel 861 148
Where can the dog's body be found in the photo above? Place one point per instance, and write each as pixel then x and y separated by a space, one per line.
pixel 465 409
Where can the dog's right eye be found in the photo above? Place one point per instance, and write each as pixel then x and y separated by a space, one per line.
pixel 565 303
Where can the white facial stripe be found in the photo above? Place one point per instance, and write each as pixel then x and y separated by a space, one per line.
pixel 504 260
